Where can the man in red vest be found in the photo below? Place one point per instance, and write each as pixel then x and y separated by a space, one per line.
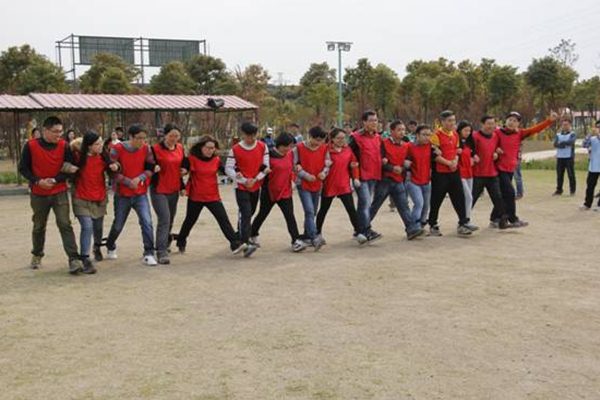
pixel 41 163
pixel 446 177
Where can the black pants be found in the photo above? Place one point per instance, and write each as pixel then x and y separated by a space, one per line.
pixel 442 184
pixel 247 202
pixel 217 209
pixel 592 179
pixel 508 197
pixel 348 202
pixel 492 186
pixel 287 209
pixel 563 164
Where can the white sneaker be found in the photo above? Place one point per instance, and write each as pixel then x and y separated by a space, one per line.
pixel 149 260
pixel 111 255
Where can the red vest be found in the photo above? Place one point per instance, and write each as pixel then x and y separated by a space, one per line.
pixel 132 166
pixel 396 154
pixel 313 162
pixel 370 155
pixel 485 148
pixel 280 177
pixel 249 163
pixel 510 144
pixel 202 186
pixel 47 164
pixel 420 169
pixel 169 176
pixel 448 147
pixel 337 182
pixel 464 163
pixel 90 184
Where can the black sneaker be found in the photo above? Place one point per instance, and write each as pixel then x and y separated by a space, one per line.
pixel 373 236
pixel 236 248
pixel 181 248
pixel 88 266
pixel 98 254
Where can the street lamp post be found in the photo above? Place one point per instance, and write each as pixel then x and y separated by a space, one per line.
pixel 340 46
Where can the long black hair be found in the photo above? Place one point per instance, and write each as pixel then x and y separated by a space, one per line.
pixel 89 139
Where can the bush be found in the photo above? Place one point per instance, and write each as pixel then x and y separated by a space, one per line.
pixel 8 178
pixel 581 163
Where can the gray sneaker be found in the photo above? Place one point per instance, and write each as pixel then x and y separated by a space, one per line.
pixel 471 227
pixel 462 230
pixel 494 224
pixel 75 266
pixel 519 224
pixel 318 242
pixel 254 240
pixel 88 267
pixel 36 262
pixel 298 246
pixel 435 231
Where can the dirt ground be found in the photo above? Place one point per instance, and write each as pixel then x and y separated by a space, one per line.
pixel 502 315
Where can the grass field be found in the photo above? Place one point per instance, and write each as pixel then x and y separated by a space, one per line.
pixel 502 315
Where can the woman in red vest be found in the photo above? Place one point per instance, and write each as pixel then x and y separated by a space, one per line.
pixel 277 189
pixel 89 196
pixel 342 173
pixel 41 162
pixel 465 167
pixel 202 189
pixel 166 185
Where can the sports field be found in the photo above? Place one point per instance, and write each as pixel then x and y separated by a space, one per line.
pixel 501 315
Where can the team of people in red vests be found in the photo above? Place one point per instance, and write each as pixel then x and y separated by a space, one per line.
pixel 416 174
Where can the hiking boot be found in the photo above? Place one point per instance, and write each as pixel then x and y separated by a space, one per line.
pixel 88 266
pixel 415 234
pixel 75 266
pixel 98 254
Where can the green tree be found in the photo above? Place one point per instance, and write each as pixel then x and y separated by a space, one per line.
pixel 23 71
pixel 252 83
pixel 503 87
pixel 210 75
pixel 551 80
pixel 173 78
pixel 109 74
pixel 318 88
pixel 385 85
pixel 359 81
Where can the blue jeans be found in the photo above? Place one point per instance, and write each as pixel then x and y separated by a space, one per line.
pixel 365 193
pixel 90 227
pixel 397 191
pixel 310 204
pixel 123 206
pixel 519 180
pixel 420 196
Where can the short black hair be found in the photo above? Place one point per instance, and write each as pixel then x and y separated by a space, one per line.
pixel 284 139
pixel 514 114
pixel 486 117
pixel 446 114
pixel 35 129
pixel 395 123
pixel 170 127
pixel 136 129
pixel 51 121
pixel 422 128
pixel 294 125
pixel 249 128
pixel 119 129
pixel 367 114
pixel 413 122
pixel 317 132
